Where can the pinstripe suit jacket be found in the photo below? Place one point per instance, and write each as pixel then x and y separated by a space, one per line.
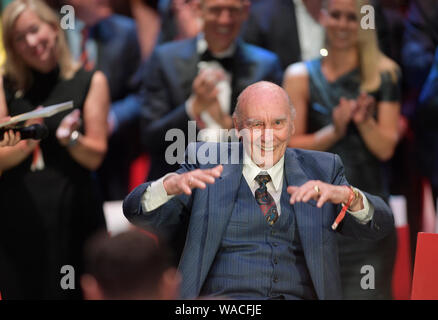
pixel 209 211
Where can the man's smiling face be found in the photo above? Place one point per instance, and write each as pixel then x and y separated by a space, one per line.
pixel 266 117
pixel 222 21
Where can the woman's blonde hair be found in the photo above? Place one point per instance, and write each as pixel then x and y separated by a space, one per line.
pixel 372 61
pixel 15 68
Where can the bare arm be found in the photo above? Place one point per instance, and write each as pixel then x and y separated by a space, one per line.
pixel 296 84
pixel 148 26
pixel 91 146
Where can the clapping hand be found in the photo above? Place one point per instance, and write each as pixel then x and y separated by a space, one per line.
pixel 204 89
pixel 342 115
pixel 364 108
pixel 70 123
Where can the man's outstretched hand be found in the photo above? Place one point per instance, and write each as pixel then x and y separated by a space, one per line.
pixel 184 183
pixel 323 192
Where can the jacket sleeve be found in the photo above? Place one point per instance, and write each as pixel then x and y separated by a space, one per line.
pixel 167 218
pixel 380 225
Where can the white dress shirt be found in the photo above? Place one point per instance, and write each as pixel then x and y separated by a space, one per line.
pixel 310 33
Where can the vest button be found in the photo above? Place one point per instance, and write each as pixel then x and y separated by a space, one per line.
pixel 275 261
pixel 275 280
pixel 275 244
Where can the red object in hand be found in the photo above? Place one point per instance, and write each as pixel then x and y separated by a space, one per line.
pixel 341 214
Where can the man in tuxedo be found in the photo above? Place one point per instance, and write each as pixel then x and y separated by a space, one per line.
pixel 260 227
pixel 200 78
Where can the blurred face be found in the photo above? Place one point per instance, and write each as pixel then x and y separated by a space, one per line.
pixel 341 23
pixel 222 21
pixel 267 125
pixel 35 41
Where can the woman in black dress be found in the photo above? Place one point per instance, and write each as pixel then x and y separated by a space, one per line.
pixel 349 103
pixel 49 205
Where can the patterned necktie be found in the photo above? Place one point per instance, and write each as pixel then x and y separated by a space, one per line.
pixel 265 200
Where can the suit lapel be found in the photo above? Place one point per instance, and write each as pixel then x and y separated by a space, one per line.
pixel 309 222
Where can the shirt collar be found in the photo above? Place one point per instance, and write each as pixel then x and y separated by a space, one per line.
pixel 251 170
pixel 202 46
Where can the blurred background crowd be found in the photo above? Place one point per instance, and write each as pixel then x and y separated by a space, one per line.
pixel 136 69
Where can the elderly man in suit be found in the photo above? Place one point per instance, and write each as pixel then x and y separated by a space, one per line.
pixel 261 227
pixel 200 78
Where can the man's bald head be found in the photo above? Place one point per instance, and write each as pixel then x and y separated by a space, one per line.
pixel 264 93
pixel 264 118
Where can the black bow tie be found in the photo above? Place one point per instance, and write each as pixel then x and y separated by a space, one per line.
pixel 227 62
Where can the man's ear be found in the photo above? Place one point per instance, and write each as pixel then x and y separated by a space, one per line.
pixel 91 288
pixel 169 287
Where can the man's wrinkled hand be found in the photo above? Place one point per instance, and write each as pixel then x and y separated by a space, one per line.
pixel 185 182
pixel 319 191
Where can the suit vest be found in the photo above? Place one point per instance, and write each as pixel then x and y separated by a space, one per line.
pixel 257 261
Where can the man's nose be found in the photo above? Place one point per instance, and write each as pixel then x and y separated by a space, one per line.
pixel 343 21
pixel 225 16
pixel 267 134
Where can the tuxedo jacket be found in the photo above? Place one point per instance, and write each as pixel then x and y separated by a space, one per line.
pixel 208 212
pixel 168 84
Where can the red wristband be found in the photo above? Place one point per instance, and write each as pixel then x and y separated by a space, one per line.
pixel 341 214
